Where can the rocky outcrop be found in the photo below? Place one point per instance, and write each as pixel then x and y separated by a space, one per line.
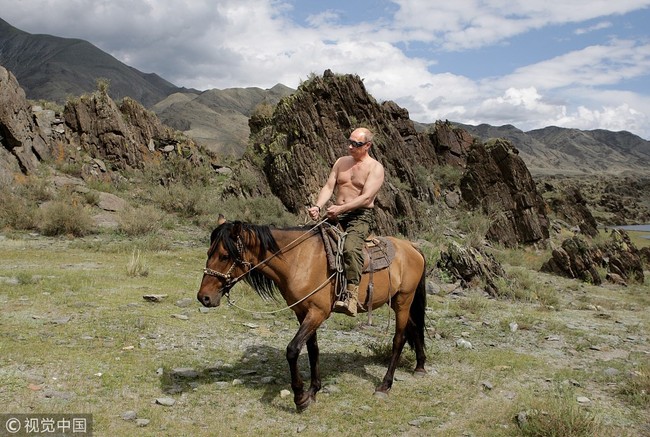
pixel 469 265
pixel 569 205
pixel 94 135
pixel 621 257
pixel 575 259
pixel 22 145
pixel 497 181
pixel 293 149
pixel 578 259
pixel 126 136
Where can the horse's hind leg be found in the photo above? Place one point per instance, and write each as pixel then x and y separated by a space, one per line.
pixel 399 339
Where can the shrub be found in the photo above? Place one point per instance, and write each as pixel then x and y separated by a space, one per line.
pixel 136 265
pixel 16 212
pixel 140 221
pixel 475 225
pixel 64 217
pixel 186 202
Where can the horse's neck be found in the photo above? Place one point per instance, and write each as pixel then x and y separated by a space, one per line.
pixel 297 249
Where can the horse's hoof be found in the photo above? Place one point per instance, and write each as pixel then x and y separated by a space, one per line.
pixel 380 395
pixel 302 406
pixel 420 373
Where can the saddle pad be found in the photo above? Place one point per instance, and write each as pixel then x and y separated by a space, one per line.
pixel 377 254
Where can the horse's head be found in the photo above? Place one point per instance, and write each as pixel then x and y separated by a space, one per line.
pixel 225 265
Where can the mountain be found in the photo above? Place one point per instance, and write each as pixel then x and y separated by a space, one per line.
pixel 54 68
pixel 217 119
pixel 573 151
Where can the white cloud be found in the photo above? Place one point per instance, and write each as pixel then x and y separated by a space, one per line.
pixel 599 26
pixel 238 43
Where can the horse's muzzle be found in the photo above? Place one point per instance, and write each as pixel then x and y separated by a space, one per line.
pixel 208 301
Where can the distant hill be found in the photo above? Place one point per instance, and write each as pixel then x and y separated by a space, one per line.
pixel 217 119
pixel 573 151
pixel 53 68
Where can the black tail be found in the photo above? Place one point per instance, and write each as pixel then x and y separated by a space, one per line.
pixel 415 329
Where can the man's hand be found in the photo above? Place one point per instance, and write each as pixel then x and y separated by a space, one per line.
pixel 333 211
pixel 314 212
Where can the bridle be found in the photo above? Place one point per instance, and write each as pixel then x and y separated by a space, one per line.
pixel 239 260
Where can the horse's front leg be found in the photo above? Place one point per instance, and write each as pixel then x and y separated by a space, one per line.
pixel 306 334
pixel 313 351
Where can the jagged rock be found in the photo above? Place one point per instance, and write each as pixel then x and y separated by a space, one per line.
pixel 98 126
pixel 22 145
pixel 571 207
pixel 293 149
pixel 469 264
pixel 621 257
pixel 575 259
pixel 498 182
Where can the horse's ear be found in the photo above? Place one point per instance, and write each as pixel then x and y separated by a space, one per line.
pixel 221 220
pixel 236 229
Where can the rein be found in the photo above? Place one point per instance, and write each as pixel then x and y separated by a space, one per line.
pixel 230 281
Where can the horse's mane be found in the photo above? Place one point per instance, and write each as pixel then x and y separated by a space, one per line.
pixel 251 234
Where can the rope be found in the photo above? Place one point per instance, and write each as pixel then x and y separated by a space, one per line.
pixel 323 284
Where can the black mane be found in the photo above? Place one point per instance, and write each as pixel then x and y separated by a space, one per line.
pixel 227 233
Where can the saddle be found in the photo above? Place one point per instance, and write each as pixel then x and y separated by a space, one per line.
pixel 378 252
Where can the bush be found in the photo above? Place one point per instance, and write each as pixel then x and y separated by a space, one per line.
pixel 64 217
pixel 16 212
pixel 140 221
pixel 178 199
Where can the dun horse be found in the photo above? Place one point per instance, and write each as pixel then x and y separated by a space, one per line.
pixel 293 261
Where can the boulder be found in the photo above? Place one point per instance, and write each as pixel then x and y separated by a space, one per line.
pixel 498 182
pixel 469 265
pixel 574 259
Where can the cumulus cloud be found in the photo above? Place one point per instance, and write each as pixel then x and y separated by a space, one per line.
pixel 207 44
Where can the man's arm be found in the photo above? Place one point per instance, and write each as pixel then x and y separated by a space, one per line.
pixel 325 192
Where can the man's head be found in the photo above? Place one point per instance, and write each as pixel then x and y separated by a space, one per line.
pixel 360 139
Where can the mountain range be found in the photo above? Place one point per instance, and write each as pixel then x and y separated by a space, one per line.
pixel 54 69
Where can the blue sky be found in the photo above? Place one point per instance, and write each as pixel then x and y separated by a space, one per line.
pixel 531 63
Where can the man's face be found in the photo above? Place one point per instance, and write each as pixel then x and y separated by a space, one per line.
pixel 357 144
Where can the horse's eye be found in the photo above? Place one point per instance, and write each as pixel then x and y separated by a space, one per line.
pixel 223 257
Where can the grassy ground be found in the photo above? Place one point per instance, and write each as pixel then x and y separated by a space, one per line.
pixel 76 336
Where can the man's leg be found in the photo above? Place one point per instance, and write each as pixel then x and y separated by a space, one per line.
pixel 357 230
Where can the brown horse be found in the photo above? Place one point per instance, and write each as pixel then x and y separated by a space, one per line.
pixel 293 261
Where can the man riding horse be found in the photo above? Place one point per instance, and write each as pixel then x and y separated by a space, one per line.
pixel 356 180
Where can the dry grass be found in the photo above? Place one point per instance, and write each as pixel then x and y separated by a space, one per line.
pixel 78 337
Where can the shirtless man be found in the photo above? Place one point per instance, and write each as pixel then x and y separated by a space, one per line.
pixel 356 178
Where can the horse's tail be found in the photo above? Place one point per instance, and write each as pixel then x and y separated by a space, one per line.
pixel 415 330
